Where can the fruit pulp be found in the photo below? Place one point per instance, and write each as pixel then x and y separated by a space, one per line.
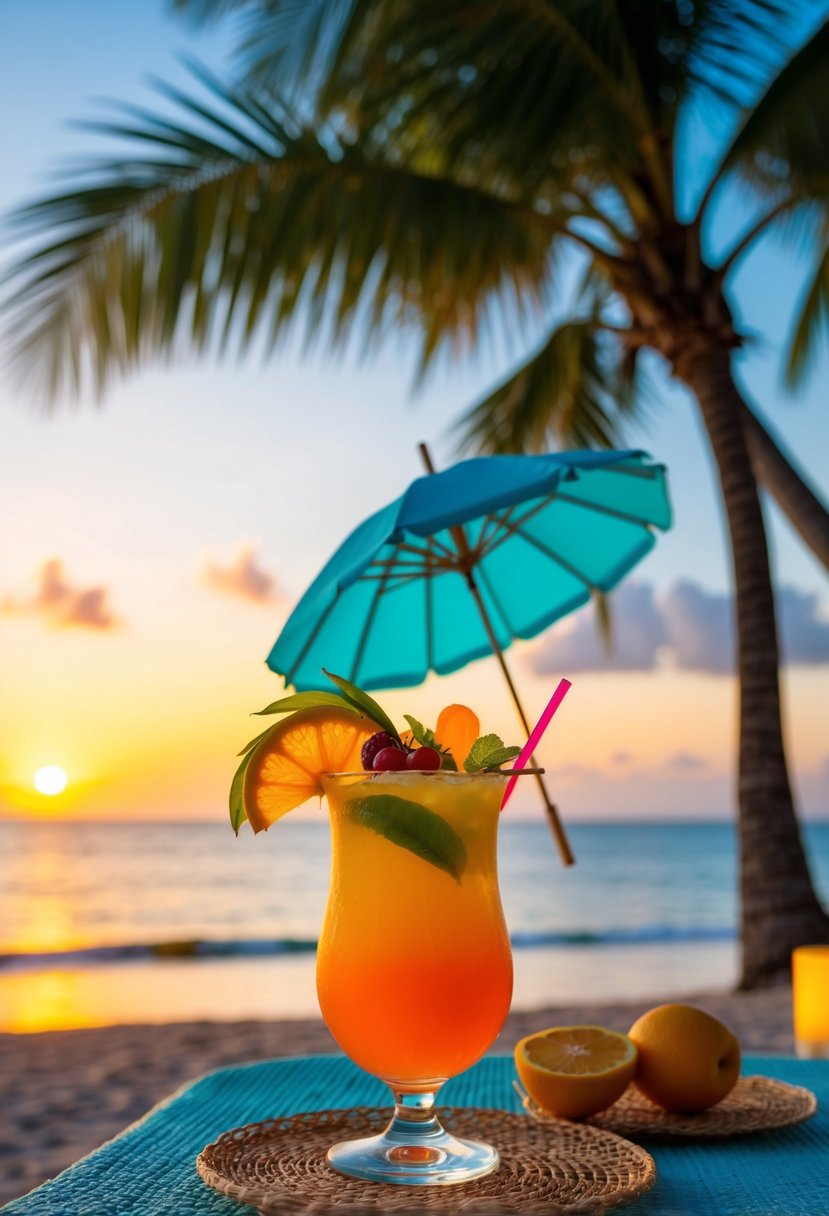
pixel 414 971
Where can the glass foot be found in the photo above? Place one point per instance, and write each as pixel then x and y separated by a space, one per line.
pixel 414 1150
pixel 430 1158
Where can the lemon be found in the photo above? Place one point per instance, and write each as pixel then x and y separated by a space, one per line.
pixel 573 1071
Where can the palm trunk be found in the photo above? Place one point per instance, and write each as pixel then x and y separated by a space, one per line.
pixel 794 496
pixel 779 908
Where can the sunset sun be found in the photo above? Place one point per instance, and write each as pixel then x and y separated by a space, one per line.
pixel 51 780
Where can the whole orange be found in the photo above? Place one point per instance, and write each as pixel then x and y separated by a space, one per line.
pixel 688 1060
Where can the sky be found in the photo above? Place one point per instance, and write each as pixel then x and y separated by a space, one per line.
pixel 154 543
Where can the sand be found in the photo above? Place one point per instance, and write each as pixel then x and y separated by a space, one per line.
pixel 66 1092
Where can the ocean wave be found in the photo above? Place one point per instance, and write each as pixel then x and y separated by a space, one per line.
pixel 194 950
pixel 641 935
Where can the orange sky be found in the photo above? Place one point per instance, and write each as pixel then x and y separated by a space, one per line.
pixel 146 727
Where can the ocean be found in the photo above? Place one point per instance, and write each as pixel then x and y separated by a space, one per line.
pixel 110 922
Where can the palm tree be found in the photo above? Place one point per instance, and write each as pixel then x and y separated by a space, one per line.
pixel 795 497
pixel 435 162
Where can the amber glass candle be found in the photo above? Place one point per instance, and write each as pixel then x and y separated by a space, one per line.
pixel 810 995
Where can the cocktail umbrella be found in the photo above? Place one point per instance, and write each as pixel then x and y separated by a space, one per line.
pixel 491 549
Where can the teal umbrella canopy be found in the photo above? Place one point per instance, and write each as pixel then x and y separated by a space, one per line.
pixel 532 536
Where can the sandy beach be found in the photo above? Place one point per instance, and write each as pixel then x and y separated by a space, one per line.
pixel 66 1092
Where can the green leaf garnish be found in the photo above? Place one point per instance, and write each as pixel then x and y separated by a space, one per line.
pixel 363 703
pixel 427 738
pixel 412 827
pixel 501 757
pixel 238 815
pixel 250 746
pixel 305 700
pixel 424 736
pixel 489 752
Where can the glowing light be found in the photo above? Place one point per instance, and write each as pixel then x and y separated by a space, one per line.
pixel 51 780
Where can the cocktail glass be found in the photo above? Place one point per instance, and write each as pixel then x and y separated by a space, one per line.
pixel 414 971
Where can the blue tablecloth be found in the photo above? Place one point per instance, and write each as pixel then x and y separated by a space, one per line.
pixel 149 1168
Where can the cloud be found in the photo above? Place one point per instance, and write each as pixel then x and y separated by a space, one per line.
pixel 243 577
pixel 576 772
pixel 621 759
pixel 63 604
pixel 638 632
pixel 687 762
pixel 689 625
pixel 700 627
pixel 804 623
pixel 89 608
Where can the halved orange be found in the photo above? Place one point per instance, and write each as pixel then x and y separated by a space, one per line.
pixel 285 767
pixel 573 1071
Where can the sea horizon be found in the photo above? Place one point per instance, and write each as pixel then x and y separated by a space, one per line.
pixel 105 922
pixel 719 818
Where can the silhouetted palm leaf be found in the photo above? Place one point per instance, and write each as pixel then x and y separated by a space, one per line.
pixel 237 222
pixel 517 88
pixel 810 323
pixel 284 40
pixel 781 146
pixel 572 392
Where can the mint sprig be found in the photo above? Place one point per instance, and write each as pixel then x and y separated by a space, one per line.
pixel 488 752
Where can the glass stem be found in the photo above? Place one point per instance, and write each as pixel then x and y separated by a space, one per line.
pixel 414 1126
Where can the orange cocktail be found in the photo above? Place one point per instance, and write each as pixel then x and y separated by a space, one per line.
pixel 414 971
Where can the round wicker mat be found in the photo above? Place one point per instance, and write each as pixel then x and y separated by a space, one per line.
pixel 554 1168
pixel 755 1104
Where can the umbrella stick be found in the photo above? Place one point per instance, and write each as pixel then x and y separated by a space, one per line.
pixel 459 535
pixel 556 826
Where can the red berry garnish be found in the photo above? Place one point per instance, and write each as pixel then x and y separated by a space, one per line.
pixel 374 745
pixel 389 759
pixel 424 759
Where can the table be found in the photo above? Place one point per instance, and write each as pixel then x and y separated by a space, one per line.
pixel 149 1168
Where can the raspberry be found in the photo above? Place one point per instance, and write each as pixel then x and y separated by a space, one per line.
pixel 389 759
pixel 374 745
pixel 425 759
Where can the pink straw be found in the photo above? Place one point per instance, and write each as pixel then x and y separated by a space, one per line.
pixel 536 734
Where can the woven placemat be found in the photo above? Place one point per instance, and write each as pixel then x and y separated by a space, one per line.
pixel 755 1104
pixel 554 1168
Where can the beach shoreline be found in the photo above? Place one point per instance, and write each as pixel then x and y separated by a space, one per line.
pixel 67 1091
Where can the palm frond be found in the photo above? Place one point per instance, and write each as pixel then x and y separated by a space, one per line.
pixel 208 10
pixel 289 41
pixel 234 222
pixel 728 47
pixel 519 86
pixel 780 148
pixel 530 91
pixel 573 391
pixel 810 323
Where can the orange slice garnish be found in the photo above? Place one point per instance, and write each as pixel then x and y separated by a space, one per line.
pixel 286 766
